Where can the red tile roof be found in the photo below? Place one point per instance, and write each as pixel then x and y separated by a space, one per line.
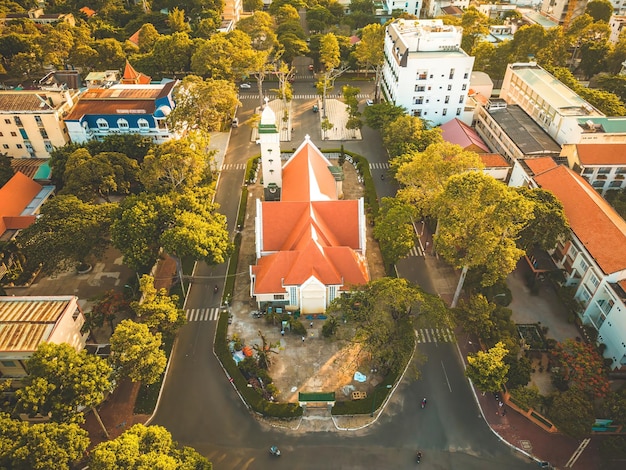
pixel 306 176
pixel 602 154
pixel 493 160
pixel 15 196
pixel 540 164
pixel 131 76
pixel 309 233
pixel 28 166
pixel 457 132
pixel 596 224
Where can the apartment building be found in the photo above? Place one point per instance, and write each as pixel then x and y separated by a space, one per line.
pixel 433 8
pixel 31 121
pixel 232 10
pixel 563 12
pixel 593 259
pixel 425 69
pixel 602 165
pixel 412 7
pixel 551 104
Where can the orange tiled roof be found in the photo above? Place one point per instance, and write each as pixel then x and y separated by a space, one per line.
pixel 15 196
pixel 88 11
pixel 134 39
pixel 132 76
pixel 540 164
pixel 28 166
pixel 491 160
pixel 596 224
pixel 306 176
pixel 602 154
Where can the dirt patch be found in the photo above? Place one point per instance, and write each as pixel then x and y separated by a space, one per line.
pixel 311 363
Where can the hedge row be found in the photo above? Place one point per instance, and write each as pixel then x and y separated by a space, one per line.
pixel 251 166
pixel 367 405
pixel 243 205
pixel 250 395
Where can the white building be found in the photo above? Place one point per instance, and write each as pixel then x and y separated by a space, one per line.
pixel 617 23
pixel 594 259
pixel 602 165
pixel 551 104
pixel 412 7
pixel 563 11
pixel 31 121
pixel 425 69
pixel 433 8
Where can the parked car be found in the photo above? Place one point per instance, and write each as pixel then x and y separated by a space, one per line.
pixel 235 122
pixel 311 68
pixel 369 102
pixel 245 86
pixel 315 108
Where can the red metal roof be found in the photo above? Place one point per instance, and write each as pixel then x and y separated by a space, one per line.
pixel 457 132
pixel 540 164
pixel 596 224
pixel 602 154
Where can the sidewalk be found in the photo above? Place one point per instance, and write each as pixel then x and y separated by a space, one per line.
pixel 512 428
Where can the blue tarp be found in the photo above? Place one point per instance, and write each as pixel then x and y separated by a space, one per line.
pixel 359 377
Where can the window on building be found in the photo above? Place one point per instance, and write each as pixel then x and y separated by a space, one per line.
pixel 458 111
pixel 465 75
pixel 13 134
pixel 38 120
pixel 583 265
pixel 5 146
pixel 616 184
pixel 422 76
pixel 420 88
pixel 19 146
pixel 419 100
pixel 451 76
pixel 279 296
pixel 1 134
pixel 446 100
pixel 588 171
pixel 594 280
pixel 445 111
pixel 102 124
pixel 48 146
pixel 417 112
pixel 464 87
pixel 43 133
pixel 604 170
pixel 461 98
pixel 76 314
pixel 18 121
pixel 8 363
pixel 143 124
pixel 449 87
pixel 599 183
pixel 122 123
pixel 7 121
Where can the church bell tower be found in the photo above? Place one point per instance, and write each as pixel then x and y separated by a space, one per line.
pixel 269 140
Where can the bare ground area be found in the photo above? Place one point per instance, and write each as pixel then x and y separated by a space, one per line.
pixel 312 363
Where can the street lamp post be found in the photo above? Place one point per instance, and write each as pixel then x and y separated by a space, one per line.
pixel 374 398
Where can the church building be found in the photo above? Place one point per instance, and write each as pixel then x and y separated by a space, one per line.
pixel 310 242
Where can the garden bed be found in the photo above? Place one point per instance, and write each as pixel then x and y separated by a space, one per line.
pixel 532 336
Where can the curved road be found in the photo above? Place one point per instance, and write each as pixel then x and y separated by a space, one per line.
pixel 202 410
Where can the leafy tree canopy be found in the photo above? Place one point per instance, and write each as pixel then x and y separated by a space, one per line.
pixel 143 447
pixel 378 116
pixel 549 223
pixel 407 134
pixel 487 369
pixel 61 380
pixel 136 352
pixel 572 413
pixel 6 170
pixel 158 309
pixel 581 368
pixel 25 446
pixel 394 229
pixel 600 10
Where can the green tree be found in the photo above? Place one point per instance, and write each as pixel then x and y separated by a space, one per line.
pixel 600 10
pixel 260 27
pixel 224 56
pixel 252 5
pixel 329 52
pixel 110 54
pixel 68 232
pixel 479 220
pixel 519 371
pixel 394 230
pixel 326 125
pixel 381 314
pixel 476 316
pixel 614 406
pixel 572 413
pixel 136 352
pixel 615 84
pixel 378 116
pixel 203 104
pixel 423 175
pixel 148 36
pixel 174 166
pixel 25 446
pixel 581 367
pixel 89 178
pixel 408 134
pixel 144 447
pixel 172 53
pixel 549 223
pixel 158 309
pixel 475 25
pixel 6 170
pixel 61 381
pixel 593 55
pixel 369 53
pixel 176 21
pixel 487 369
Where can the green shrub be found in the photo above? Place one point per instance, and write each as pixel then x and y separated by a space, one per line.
pixel 298 327
pixel 251 167
pixel 241 215
pixel 329 327
pixel 526 397
pixel 229 286
pixel 367 405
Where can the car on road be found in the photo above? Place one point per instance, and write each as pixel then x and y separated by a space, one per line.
pixel 369 102
pixel 245 86
pixel 315 108
pixel 235 122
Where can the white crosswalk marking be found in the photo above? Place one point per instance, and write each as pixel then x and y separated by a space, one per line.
pixel 435 335
pixel 304 96
pixel 415 251
pixel 379 166
pixel 202 314
pixel 234 166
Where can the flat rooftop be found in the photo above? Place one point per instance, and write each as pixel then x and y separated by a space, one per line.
pixel 553 91
pixel 527 135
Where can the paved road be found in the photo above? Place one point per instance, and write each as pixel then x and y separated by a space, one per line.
pixel 201 409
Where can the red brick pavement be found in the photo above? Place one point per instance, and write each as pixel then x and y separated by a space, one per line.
pixel 521 433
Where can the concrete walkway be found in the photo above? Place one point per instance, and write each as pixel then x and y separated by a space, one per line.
pixel 337 113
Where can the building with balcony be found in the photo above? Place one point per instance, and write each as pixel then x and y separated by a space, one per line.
pixel 551 104
pixel 593 260
pixel 602 165
pixel 122 108
pixel 425 69
pixel 31 121
pixel 563 12
pixel 433 8
pixel 26 322
pixel 232 10
pixel 412 7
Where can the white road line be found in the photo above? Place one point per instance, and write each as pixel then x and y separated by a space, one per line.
pixel 444 373
pixel 577 453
